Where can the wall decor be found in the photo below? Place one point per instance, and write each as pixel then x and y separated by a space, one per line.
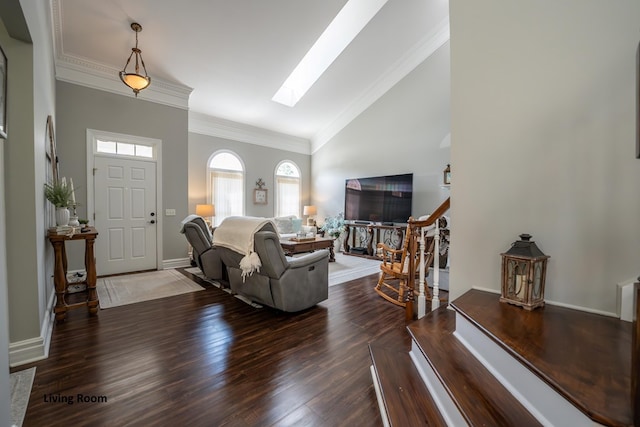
pixel 52 149
pixel 260 196
pixel 3 94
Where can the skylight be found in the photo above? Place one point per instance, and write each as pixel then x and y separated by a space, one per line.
pixel 341 31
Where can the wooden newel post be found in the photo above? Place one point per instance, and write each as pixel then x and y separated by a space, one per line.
pixel 635 357
pixel 409 296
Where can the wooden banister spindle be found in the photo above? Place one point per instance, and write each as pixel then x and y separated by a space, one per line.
pixel 435 300
pixel 422 301
pixel 635 357
pixel 412 250
pixel 409 295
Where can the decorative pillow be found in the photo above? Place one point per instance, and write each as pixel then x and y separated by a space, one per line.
pixel 296 224
pixel 284 224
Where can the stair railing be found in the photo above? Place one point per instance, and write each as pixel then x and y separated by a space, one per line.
pixel 417 242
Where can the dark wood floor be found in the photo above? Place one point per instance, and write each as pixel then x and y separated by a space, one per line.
pixel 208 359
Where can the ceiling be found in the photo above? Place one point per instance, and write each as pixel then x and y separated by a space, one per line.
pixel 226 59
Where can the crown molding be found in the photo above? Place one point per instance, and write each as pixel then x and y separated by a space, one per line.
pixel 227 129
pixel 84 72
pixel 418 54
pixel 97 76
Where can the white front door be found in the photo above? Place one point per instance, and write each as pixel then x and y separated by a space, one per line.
pixel 125 215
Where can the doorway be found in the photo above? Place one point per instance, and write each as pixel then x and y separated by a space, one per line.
pixel 123 201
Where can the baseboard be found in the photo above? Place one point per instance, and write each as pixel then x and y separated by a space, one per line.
pixel 34 349
pixel 625 301
pixel 557 304
pixel 176 263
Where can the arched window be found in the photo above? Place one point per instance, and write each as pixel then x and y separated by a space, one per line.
pixel 226 185
pixel 288 189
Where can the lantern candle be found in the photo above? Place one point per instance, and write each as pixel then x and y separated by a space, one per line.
pixel 521 280
pixel 73 192
pixel 525 290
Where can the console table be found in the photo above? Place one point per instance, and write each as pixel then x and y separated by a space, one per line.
pixel 60 272
pixel 363 239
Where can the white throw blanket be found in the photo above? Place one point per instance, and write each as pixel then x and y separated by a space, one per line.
pixel 236 233
pixel 190 218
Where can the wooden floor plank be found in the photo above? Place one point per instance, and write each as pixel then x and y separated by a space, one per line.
pixel 206 358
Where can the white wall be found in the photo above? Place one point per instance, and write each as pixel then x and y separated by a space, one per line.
pixel 543 133
pixel 405 131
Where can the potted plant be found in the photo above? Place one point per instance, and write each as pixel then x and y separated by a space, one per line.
pixel 59 194
pixel 334 226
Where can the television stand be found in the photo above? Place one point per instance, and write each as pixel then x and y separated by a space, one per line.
pixel 362 239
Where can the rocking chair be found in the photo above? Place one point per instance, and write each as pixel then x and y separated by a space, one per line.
pixel 394 270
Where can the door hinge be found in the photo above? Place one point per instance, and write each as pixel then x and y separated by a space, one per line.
pixel 94 171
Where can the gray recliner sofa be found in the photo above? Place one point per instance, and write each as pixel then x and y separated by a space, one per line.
pixel 204 254
pixel 288 284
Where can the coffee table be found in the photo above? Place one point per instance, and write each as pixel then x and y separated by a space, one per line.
pixel 291 247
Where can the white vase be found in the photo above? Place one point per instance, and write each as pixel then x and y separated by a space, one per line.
pixel 62 216
pixel 337 244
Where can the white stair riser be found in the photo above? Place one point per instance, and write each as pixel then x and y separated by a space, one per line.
pixel 544 402
pixel 447 407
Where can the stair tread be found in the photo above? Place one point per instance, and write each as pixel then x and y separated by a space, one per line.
pixel 584 356
pixel 407 399
pixel 480 397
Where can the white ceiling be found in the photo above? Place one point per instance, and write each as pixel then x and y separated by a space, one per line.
pixel 227 58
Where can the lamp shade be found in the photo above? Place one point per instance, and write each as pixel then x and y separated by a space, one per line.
pixel 136 82
pixel 310 210
pixel 205 210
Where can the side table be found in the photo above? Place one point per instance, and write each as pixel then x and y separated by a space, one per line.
pixel 60 272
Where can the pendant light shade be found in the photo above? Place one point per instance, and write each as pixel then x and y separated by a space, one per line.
pixel 135 80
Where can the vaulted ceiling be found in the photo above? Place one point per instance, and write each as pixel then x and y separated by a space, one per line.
pixel 226 59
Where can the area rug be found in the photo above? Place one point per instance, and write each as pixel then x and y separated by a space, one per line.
pixel 21 383
pixel 132 288
pixel 349 267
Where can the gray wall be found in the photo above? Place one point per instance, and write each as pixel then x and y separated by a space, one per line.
pixel 259 161
pixel 543 141
pixel 81 108
pixel 405 131
pixel 31 76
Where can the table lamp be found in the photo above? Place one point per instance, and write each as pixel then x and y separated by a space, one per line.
pixel 206 211
pixel 311 211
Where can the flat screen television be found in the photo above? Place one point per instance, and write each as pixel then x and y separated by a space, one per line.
pixel 379 199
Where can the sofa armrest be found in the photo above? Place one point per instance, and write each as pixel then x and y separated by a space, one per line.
pixel 308 259
pixel 211 264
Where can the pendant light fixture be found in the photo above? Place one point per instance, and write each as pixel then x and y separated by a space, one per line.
pixel 135 81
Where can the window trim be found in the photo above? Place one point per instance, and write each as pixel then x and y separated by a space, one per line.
pixel 244 176
pixel 276 194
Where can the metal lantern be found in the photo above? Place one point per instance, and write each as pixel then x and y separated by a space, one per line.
pixel 524 268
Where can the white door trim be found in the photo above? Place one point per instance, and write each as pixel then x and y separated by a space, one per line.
pixel 92 136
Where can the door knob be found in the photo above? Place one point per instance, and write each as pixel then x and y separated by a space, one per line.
pixel 152 221
pixel 152 214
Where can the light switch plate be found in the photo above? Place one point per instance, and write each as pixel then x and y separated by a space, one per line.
pixel 170 212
